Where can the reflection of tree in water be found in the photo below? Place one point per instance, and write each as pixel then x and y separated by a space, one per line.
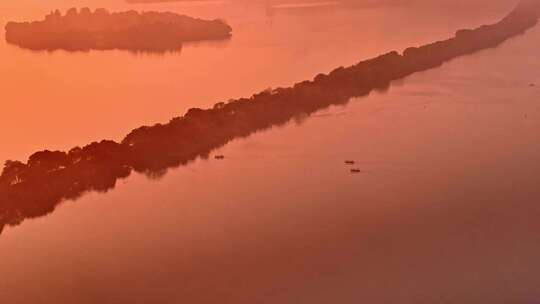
pixel 101 30
pixel 35 188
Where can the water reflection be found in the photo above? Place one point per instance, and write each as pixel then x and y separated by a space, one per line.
pixel 35 189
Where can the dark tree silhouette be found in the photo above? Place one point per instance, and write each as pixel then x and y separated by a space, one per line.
pixel 101 30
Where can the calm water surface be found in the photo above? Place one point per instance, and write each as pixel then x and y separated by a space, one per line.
pixel 60 100
pixel 445 211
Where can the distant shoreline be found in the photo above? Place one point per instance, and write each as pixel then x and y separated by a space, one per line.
pixel 100 30
pixel 35 188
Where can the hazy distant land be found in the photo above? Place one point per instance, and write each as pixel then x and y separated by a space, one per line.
pixel 35 188
pixel 101 30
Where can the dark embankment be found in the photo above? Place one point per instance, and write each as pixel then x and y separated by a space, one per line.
pixel 35 188
pixel 101 30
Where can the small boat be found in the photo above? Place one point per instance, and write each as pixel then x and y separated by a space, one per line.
pixel 350 162
pixel 219 157
pixel 355 171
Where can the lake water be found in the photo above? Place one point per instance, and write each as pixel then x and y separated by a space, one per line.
pixel 444 211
